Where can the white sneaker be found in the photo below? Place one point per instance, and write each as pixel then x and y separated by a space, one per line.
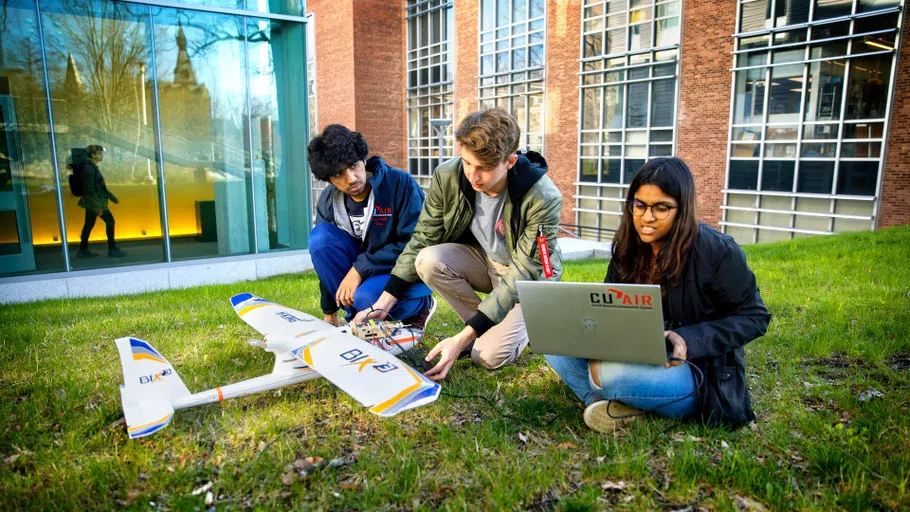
pixel 606 415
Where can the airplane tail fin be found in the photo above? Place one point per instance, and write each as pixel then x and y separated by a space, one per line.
pixel 150 386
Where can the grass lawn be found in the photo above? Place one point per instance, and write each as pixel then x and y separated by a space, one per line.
pixel 841 328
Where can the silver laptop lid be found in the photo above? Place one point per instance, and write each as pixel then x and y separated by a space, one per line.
pixel 606 321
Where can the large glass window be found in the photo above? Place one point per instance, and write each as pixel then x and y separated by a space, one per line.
pixel 431 29
pixel 629 82
pixel 198 112
pixel 30 236
pixel 810 104
pixel 98 61
pixel 512 35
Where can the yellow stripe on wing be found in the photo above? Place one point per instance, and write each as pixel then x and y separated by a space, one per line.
pixel 250 308
pixel 152 423
pixel 137 357
pixel 392 401
pixel 307 358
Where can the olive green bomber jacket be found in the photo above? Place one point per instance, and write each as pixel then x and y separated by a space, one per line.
pixel 533 200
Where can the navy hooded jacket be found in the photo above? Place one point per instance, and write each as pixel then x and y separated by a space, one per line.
pixel 397 202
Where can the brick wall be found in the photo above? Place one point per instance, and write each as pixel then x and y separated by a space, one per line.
pixel 704 98
pixel 466 57
pixel 894 208
pixel 561 102
pixel 379 74
pixel 360 72
pixel 334 56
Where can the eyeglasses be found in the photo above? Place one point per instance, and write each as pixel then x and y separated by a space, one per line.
pixel 660 210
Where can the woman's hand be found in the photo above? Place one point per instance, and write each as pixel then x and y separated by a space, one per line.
pixel 448 350
pixel 680 352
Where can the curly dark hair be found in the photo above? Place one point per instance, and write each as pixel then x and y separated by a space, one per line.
pixel 334 150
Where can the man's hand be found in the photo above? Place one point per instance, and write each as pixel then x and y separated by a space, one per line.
pixel 379 310
pixel 344 296
pixel 100 212
pixel 448 350
pixel 680 351
pixel 331 318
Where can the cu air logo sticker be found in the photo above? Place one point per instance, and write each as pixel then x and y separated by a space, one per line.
pixel 614 298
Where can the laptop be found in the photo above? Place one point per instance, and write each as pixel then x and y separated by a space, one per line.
pixel 606 321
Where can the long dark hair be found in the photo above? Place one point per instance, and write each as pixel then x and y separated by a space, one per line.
pixel 633 258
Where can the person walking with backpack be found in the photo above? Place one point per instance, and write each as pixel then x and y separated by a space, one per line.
pixel 95 197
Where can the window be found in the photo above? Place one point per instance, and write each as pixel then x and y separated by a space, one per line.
pixel 430 27
pixel 197 111
pixel 512 59
pixel 629 82
pixel 810 105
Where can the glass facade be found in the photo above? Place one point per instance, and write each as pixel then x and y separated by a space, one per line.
pixel 512 35
pixel 629 84
pixel 195 108
pixel 430 34
pixel 811 94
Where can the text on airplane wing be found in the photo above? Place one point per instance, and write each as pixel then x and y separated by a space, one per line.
pixel 272 318
pixel 372 376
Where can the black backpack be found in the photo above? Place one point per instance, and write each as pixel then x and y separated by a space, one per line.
pixel 79 160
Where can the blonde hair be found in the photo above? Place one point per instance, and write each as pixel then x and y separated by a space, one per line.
pixel 491 135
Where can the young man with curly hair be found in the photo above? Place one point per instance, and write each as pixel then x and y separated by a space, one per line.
pixel 364 219
pixel 478 232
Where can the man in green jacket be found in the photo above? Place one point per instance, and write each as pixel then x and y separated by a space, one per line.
pixel 94 199
pixel 478 232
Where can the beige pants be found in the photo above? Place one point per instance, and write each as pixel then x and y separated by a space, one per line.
pixel 455 272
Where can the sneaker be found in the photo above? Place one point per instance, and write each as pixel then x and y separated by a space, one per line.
pixel 115 253
pixel 605 416
pixel 85 253
pixel 420 320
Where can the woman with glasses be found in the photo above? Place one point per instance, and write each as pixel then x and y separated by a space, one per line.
pixel 711 308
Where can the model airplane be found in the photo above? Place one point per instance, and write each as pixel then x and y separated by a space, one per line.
pixel 358 359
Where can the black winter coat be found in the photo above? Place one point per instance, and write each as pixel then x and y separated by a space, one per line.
pixel 717 309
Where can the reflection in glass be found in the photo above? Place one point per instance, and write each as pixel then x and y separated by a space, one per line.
pixel 825 9
pixel 750 96
pixel 611 170
pixel 637 105
pixel 98 60
pixel 791 12
pixel 777 175
pixel 823 98
pixel 203 120
pixel 857 178
pixel 756 15
pixel 28 201
pixel 815 177
pixel 867 91
pixel 278 123
pixel 743 174
pixel 786 93
pixel 589 170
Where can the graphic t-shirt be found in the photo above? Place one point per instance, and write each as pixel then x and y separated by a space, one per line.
pixel 488 226
pixel 357 214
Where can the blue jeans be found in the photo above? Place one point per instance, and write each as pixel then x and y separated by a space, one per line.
pixel 334 251
pixel 641 386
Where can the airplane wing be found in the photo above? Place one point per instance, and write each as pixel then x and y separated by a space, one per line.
pixel 271 318
pixel 372 376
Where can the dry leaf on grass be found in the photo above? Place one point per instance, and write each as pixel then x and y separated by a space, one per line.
pixel 611 486
pixel 744 503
